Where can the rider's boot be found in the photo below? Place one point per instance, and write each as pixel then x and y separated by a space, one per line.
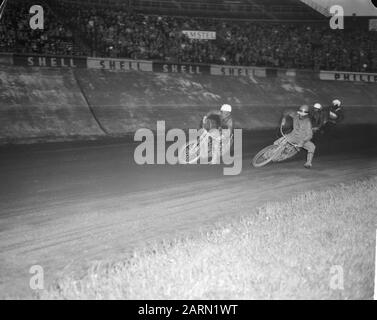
pixel 309 160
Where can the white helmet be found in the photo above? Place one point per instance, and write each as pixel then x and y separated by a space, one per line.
pixel 317 106
pixel 226 108
pixel 336 102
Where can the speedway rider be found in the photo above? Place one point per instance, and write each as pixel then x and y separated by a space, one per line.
pixel 323 118
pixel 302 132
pixel 218 119
pixel 318 116
pixel 336 113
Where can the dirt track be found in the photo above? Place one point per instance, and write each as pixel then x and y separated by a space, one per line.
pixel 65 205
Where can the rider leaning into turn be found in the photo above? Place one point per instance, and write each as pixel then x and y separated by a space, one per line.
pixel 336 113
pixel 222 118
pixel 302 132
pixel 318 116
pixel 327 118
pixel 218 119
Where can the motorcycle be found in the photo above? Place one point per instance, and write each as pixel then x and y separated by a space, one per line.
pixel 201 147
pixel 281 150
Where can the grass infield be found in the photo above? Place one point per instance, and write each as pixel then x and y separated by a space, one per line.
pixel 318 245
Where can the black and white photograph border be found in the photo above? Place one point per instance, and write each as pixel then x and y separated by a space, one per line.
pixel 219 150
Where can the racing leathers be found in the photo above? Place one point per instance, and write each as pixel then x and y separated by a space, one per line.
pixel 318 118
pixel 217 120
pixel 336 114
pixel 301 135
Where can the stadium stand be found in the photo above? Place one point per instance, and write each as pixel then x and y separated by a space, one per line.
pixel 128 32
pixel 17 36
pixel 249 9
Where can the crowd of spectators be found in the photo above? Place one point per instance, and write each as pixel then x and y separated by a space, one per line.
pixel 16 35
pixel 116 33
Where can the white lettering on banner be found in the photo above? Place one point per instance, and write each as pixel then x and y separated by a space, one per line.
pixel 238 71
pixel 50 62
pixel 348 76
pixel 200 35
pixel 119 64
pixel 181 68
